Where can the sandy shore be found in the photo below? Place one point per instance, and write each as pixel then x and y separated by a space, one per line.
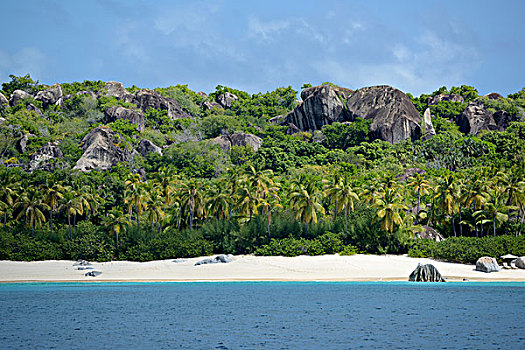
pixel 250 268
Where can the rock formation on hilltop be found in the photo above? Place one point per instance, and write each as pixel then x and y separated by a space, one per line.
pixel 146 99
pixel 101 150
pixel 240 139
pixel 16 96
pixel 117 90
pixel 146 146
pixel 394 117
pixel 119 112
pixel 226 99
pixel 3 100
pixel 42 157
pixel 321 106
pixel 49 96
pixel 476 118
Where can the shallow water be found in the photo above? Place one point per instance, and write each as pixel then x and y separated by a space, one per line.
pixel 269 315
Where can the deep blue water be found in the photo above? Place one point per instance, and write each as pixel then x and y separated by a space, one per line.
pixel 269 315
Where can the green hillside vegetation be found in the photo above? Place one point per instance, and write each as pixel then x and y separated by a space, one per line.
pixel 297 194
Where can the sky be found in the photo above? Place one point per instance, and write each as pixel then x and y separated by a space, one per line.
pixel 258 46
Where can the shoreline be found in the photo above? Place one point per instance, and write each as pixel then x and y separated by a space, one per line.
pixel 249 268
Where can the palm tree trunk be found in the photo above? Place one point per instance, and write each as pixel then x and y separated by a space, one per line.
pixel 137 210
pixel 69 224
pixel 481 222
pixel 335 210
pixel 418 205
pixel 454 226
pixel 346 214
pixel 494 225
pixel 158 227
pixel 460 225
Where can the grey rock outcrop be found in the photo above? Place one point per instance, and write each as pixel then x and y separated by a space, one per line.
pixel 2 121
pixel 444 97
pixel 16 96
pixel 207 105
pixel 394 117
pixel 278 120
pixel 487 264
pixel 241 139
pixel 218 259
pixel 33 108
pixel 22 142
pixel 49 96
pixel 321 106
pixel 226 99
pixel 292 129
pixel 91 94
pixel 475 118
pixel 146 146
pixel 429 233
pixel 93 274
pixel 342 92
pixel 119 112
pixel 116 89
pixel 502 120
pixel 41 158
pixel 101 150
pixel 426 273
pixel 146 99
pixel 493 96
pixel 428 128
pixel 60 102
pixel 3 100
pixel 520 262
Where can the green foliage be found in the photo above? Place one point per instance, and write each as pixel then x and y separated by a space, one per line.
pixel 468 250
pixel 159 120
pixel 329 243
pixel 187 99
pixel 196 159
pixel 24 83
pixel 342 136
pixel 86 85
pixel 215 125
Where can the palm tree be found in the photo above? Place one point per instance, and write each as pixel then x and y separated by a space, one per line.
pixel 476 194
pixel 71 205
pixel 191 199
pixel 305 200
pixel 446 195
pixel 115 219
pixel 389 208
pixel 8 186
pixel 53 194
pixel 332 188
pixel 219 203
pixel 346 197
pixel 30 204
pixel 514 189
pixel 420 186
pixel 154 206
pixel 268 203
pixel 134 195
pixel 247 201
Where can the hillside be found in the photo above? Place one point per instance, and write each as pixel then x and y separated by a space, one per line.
pixel 98 171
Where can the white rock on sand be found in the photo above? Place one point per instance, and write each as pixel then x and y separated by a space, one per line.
pixel 251 268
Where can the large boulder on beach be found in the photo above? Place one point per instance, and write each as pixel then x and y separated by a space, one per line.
pixel 487 264
pixel 394 117
pixel 520 262
pixel 218 259
pixel 425 273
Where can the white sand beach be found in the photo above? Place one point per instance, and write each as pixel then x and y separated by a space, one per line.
pixel 250 268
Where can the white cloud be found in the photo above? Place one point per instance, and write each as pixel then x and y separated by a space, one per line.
pixel 26 60
pixel 267 29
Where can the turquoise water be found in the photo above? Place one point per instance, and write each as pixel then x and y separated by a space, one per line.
pixel 262 315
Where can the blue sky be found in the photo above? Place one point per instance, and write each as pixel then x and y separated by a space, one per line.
pixel 257 46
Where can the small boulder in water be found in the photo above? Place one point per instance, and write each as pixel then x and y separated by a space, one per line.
pixel 487 264
pixel 426 273
pixel 218 259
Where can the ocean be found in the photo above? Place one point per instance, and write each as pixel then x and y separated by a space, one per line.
pixel 262 315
